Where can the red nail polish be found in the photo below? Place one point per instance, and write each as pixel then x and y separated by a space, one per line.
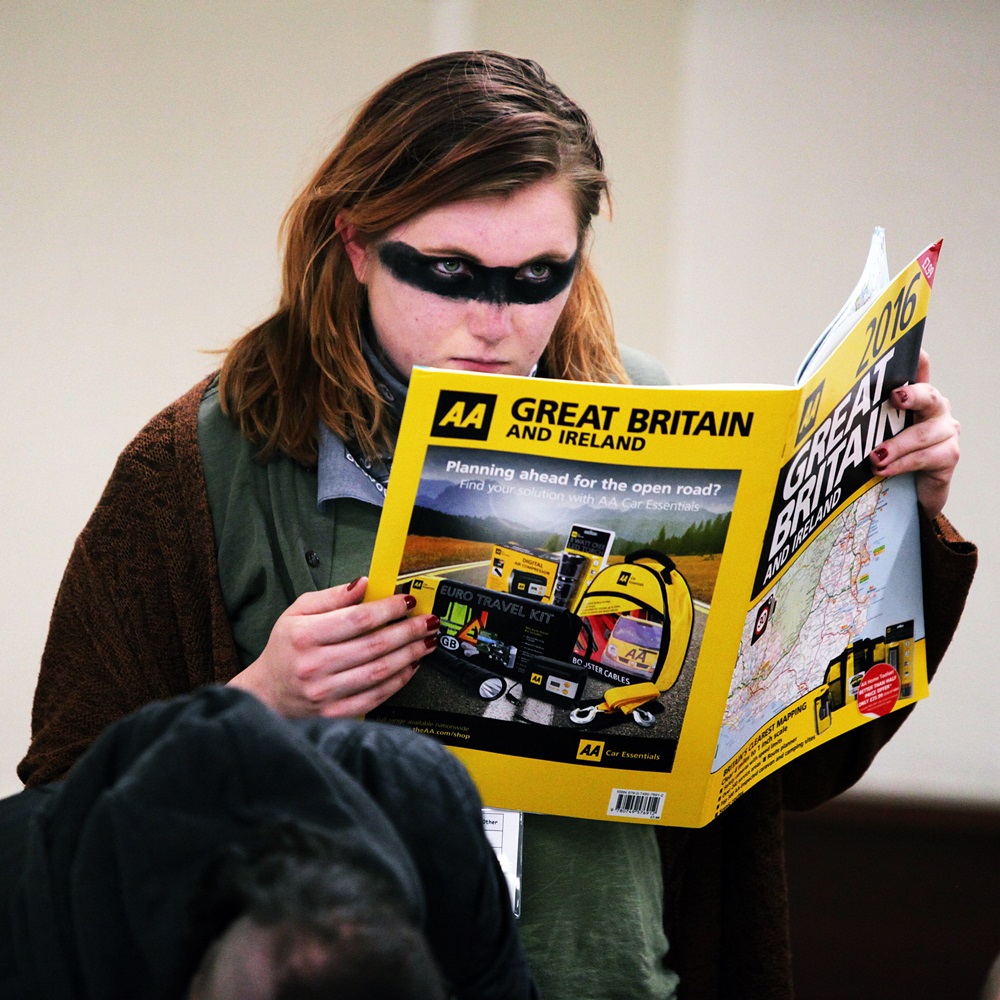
pixel 354 583
pixel 433 623
pixel 410 601
pixel 881 454
pixel 902 395
pixel 431 642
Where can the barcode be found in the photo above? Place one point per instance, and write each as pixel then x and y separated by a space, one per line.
pixel 625 802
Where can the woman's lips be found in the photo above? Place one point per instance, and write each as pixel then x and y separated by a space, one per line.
pixel 480 365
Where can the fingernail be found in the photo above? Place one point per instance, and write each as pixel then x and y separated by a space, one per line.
pixel 410 601
pixel 881 454
pixel 902 395
pixel 433 623
pixel 354 583
pixel 431 642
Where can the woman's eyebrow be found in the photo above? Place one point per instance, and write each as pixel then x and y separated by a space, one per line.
pixel 559 256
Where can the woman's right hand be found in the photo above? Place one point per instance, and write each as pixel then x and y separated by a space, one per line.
pixel 331 655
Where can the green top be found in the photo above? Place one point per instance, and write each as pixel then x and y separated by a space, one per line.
pixel 592 893
pixel 274 540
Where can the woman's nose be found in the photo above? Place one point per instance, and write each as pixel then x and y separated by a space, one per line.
pixel 489 321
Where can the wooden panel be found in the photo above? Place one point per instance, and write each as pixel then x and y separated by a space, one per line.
pixel 893 899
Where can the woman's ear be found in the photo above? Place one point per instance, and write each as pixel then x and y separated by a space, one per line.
pixel 355 247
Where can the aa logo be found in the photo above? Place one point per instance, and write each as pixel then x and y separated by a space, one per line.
pixel 623 578
pixel 809 412
pixel 592 750
pixel 465 415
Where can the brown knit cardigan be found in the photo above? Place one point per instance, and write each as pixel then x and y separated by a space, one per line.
pixel 140 616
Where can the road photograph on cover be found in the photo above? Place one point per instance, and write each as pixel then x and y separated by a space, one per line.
pixel 507 547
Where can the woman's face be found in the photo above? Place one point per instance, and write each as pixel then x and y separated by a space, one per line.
pixel 475 285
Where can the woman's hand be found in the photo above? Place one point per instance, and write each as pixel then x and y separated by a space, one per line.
pixel 929 447
pixel 331 655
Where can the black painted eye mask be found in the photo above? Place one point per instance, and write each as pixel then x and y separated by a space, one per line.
pixel 458 278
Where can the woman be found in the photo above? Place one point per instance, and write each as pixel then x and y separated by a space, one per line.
pixel 448 227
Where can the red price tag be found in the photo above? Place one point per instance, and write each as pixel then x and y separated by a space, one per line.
pixel 878 691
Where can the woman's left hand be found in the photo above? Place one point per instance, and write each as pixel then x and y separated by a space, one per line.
pixel 928 447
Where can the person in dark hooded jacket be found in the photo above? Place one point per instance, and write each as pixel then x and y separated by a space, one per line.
pixel 205 839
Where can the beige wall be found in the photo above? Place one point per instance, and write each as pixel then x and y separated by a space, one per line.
pixel 802 127
pixel 148 152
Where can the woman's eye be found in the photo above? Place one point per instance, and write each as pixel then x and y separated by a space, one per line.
pixel 451 267
pixel 535 272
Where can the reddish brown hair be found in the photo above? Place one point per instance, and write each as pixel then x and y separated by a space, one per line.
pixel 458 126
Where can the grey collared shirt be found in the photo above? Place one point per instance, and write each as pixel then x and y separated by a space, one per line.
pixel 340 475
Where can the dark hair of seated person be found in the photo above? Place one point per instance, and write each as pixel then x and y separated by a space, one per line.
pixel 293 919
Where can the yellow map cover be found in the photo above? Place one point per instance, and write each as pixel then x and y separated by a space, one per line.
pixel 802 573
